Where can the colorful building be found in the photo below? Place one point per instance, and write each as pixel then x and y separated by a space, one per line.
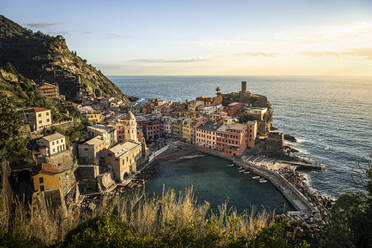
pixel 93 117
pixel 231 139
pixel 38 118
pixel 234 107
pixel 256 113
pixel 48 90
pixel 186 130
pixel 52 144
pixel 45 177
pixel 124 159
pixel 206 135
pixel 90 151
pixel 177 128
pixel 251 133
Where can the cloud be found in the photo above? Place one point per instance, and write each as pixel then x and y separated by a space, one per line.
pixel 187 60
pixel 256 54
pixel 43 24
pixel 87 32
pixel 365 53
pixel 117 36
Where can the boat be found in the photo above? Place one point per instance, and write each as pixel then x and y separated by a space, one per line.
pixel 263 181
pixel 246 172
pixel 241 171
pixel 240 167
pixel 230 165
pixel 262 178
pixel 255 177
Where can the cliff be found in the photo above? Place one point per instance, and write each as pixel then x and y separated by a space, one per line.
pixel 41 57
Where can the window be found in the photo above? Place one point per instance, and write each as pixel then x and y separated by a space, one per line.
pixel 54 150
pixel 47 113
pixel 41 180
pixel 40 121
pixel 48 120
pixel 39 115
pixel 41 188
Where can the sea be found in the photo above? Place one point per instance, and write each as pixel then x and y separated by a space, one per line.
pixel 331 117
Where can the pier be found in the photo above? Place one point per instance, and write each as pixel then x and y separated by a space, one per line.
pixel 290 192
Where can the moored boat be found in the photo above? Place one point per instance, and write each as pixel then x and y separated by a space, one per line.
pixel 241 171
pixel 262 178
pixel 263 181
pixel 246 172
pixel 255 177
pixel 230 165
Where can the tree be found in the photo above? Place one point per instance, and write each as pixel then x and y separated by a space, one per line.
pixel 350 222
pixel 218 91
pixel 11 146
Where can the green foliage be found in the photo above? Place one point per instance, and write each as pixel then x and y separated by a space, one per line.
pixel 11 146
pixel 350 223
pixel 16 240
pixel 275 235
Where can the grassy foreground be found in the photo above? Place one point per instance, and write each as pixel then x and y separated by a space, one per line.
pixel 171 220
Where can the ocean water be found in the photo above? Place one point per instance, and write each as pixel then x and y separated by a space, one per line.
pixel 214 182
pixel 330 117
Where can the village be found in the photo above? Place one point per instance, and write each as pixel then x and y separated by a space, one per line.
pixel 121 139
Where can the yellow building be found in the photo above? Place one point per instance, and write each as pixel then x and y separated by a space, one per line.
pixel 46 178
pixel 191 115
pixel 177 128
pixel 94 117
pixel 123 159
pixel 186 130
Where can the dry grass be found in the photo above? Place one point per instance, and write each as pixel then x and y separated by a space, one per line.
pixel 170 213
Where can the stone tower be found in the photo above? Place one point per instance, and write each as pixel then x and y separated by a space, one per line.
pixel 244 87
pixel 130 127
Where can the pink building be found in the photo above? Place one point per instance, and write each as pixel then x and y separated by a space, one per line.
pixel 206 135
pixel 234 107
pixel 166 125
pixel 235 138
pixel 231 139
pixel 251 133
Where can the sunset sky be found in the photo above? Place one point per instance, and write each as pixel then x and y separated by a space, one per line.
pixel 263 37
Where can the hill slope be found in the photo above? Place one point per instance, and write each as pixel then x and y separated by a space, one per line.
pixel 42 57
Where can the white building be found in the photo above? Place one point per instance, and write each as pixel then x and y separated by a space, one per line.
pixel 52 144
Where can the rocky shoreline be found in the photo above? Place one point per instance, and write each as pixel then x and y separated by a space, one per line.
pixel 308 226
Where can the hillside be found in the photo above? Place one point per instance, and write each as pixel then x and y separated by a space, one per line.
pixel 41 57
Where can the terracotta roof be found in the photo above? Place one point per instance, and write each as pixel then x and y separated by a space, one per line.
pixel 35 110
pixel 48 169
pixel 46 85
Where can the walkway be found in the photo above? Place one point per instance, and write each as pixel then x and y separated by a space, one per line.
pixel 293 195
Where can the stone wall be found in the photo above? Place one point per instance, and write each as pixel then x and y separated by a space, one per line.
pixel 66 181
pixel 61 161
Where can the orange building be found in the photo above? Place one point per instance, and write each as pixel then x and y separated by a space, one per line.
pixel 48 90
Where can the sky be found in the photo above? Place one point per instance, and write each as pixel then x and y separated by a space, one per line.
pixel 209 37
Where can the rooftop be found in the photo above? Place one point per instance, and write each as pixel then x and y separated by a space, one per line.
pixel 123 148
pixel 210 126
pixel 54 136
pixel 35 110
pixel 47 168
pixel 234 126
pixel 95 141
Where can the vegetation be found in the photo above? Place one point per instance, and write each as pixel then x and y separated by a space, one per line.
pixel 41 57
pixel 350 223
pixel 12 147
pixel 137 221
